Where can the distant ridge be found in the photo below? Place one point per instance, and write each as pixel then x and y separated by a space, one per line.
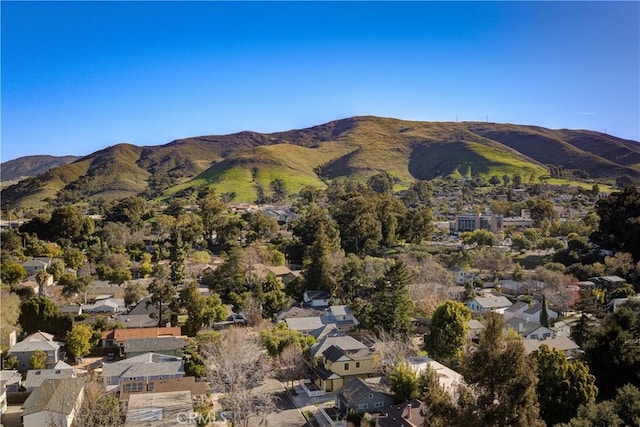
pixel 29 166
pixel 351 148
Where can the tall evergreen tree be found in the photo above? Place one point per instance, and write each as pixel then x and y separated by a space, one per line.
pixel 544 314
pixel 178 256
pixel 318 271
pixel 390 307
pixel 502 379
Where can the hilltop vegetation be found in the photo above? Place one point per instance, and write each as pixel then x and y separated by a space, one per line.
pixel 349 149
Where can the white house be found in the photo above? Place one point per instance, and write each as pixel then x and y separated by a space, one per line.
pixel 489 303
pixel 448 378
pixel 37 264
pixel 316 298
pixel 463 276
pixel 55 402
pixel 36 341
pixel 529 313
pixel 529 330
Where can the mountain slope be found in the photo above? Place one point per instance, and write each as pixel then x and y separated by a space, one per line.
pixel 27 166
pixel 353 148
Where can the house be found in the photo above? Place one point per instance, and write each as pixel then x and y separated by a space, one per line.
pixel 197 388
pixel 448 378
pixel 528 330
pixel 316 298
pixel 339 315
pixel 136 320
pixel 485 304
pixel 55 402
pixel 145 306
pixel 35 265
pixel 144 368
pixel 463 276
pixel 12 380
pixel 409 414
pixel 166 409
pixel 515 310
pixel 36 341
pixel 117 337
pixel 297 312
pixel 475 327
pixel 338 358
pixel 562 343
pixel 282 272
pixel 608 282
pixel 305 325
pixel 35 377
pixel 512 287
pixel 73 310
pixel 171 346
pixel 360 396
pixel 107 305
pixel 527 312
pixel 563 327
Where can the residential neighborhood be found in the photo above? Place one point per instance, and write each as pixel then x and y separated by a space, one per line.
pixel 307 339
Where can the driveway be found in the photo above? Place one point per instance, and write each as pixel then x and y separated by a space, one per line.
pixel 12 417
pixel 286 415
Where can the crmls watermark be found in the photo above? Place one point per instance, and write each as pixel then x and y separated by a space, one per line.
pixel 185 418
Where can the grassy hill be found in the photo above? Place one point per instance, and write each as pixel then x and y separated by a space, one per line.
pixel 28 166
pixel 353 148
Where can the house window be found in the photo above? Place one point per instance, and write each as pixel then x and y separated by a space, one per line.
pixel 370 395
pixel 346 366
pixel 133 387
pixel 150 386
pixel 357 364
pixel 378 405
pixel 363 406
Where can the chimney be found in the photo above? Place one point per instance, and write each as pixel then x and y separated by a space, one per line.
pixel 408 416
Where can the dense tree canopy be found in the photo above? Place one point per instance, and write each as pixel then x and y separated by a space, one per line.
pixel 619 226
pixel 502 379
pixel 562 386
pixel 448 331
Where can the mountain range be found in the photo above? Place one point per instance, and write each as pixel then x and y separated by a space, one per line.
pixel 352 148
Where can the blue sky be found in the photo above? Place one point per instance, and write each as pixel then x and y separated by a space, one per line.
pixel 80 76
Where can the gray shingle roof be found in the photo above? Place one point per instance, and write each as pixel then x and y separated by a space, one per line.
pixel 343 342
pixel 357 389
pixel 151 363
pixel 516 307
pixel 137 345
pixel 36 377
pixel 54 395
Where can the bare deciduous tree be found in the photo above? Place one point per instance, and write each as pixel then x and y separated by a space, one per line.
pixel 391 349
pixel 290 365
pixel 237 367
pixel 429 283
pixel 98 409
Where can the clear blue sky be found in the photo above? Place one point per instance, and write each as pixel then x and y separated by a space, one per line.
pixel 80 76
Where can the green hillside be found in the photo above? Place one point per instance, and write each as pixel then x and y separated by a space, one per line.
pixel 353 148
